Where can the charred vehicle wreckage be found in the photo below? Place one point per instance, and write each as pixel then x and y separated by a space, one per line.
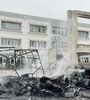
pixel 30 85
pixel 42 87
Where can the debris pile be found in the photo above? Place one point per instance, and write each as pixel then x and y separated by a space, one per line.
pixel 26 85
pixel 80 79
pixel 44 86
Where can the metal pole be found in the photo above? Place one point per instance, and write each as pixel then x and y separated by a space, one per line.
pixel 34 62
pixel 41 63
pixel 14 67
pixel 56 50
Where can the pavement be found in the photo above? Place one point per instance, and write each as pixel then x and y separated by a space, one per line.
pixel 86 96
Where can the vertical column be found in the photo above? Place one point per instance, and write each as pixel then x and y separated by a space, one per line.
pixel 49 32
pixel 25 27
pixel 48 45
pixel 25 42
pixel 25 31
pixel 72 26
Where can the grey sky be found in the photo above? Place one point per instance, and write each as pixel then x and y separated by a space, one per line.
pixel 46 8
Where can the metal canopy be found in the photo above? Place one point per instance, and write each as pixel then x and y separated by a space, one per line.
pixel 13 53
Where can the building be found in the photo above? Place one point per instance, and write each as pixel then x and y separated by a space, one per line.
pixel 47 35
pixel 78 38
pixel 25 31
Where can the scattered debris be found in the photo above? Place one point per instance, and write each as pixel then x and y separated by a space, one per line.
pixel 43 86
pixel 33 86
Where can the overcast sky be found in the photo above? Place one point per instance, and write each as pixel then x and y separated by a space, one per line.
pixel 45 8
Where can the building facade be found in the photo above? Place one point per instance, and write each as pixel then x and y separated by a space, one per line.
pixel 47 35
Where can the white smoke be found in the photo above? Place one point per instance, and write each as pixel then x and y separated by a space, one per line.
pixel 1 80
pixel 26 66
pixel 62 66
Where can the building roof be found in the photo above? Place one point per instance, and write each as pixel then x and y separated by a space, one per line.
pixel 22 16
pixel 54 22
pixel 29 17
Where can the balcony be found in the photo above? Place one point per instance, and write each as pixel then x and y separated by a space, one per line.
pixel 83 48
pixel 85 64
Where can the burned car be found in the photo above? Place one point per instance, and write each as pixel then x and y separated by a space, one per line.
pixel 80 78
pixel 86 77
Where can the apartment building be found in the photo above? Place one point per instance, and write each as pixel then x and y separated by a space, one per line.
pixel 47 35
pixel 31 32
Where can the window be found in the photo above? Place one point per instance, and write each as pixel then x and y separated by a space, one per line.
pixel 83 34
pixel 38 44
pixel 53 44
pixel 11 25
pixel 38 28
pixel 59 44
pixel 54 31
pixel 10 42
pixel 58 30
